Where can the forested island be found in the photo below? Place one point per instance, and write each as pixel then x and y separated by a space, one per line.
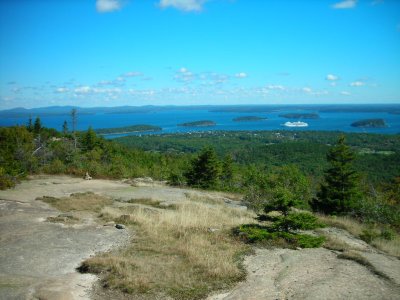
pixel 370 123
pixel 248 119
pixel 128 129
pixel 300 116
pixel 203 123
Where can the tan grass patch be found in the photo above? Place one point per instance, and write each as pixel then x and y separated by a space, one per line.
pixel 391 247
pixel 78 202
pixel 175 253
pixel 358 229
pixel 343 222
pixel 357 257
pixel 336 244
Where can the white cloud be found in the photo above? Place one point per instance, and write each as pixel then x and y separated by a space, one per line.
pixel 183 70
pixel 105 82
pixel 62 90
pixel 332 77
pixel 185 5
pixel 357 83
pixel 83 90
pixel 345 4
pixel 133 74
pixel 276 87
pixel 345 93
pixel 241 75
pixel 104 6
pixel 307 90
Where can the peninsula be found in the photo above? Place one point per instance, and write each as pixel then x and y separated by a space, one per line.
pixel 128 129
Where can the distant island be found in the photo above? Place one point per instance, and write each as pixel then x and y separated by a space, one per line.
pixel 300 116
pixel 198 123
pixel 248 119
pixel 370 123
pixel 128 129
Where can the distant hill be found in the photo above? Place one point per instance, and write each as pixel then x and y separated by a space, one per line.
pixel 300 116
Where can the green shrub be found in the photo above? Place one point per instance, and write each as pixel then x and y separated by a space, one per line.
pixel 253 233
pixel 294 221
pixel 388 234
pixel 309 241
pixel 368 235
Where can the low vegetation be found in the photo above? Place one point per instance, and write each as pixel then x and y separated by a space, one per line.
pixel 78 202
pixel 184 252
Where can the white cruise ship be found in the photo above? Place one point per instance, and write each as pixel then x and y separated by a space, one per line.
pixel 295 124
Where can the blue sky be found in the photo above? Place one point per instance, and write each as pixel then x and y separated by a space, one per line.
pixel 185 52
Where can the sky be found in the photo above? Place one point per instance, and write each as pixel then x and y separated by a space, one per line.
pixel 197 52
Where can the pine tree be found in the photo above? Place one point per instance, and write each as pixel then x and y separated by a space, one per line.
pixel 90 139
pixel 37 126
pixel 227 170
pixel 29 126
pixel 65 128
pixel 204 170
pixel 339 194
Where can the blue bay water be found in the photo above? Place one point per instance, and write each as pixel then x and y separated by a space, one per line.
pixel 168 120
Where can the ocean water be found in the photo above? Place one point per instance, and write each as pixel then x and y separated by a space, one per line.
pixel 168 120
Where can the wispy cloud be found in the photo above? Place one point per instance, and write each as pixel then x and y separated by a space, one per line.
pixel 346 4
pixel 83 90
pixel 357 83
pixel 345 93
pixel 307 90
pixel 185 5
pixel 133 74
pixel 331 77
pixel 105 6
pixel 241 75
pixel 276 87
pixel 62 90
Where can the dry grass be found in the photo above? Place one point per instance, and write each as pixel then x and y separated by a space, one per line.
pixel 78 202
pixel 389 246
pixel 358 229
pixel 175 252
pixel 343 222
pixel 357 257
pixel 336 244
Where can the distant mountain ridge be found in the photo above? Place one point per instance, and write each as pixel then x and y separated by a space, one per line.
pixel 66 110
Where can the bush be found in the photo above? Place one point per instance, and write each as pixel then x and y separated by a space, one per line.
pixel 294 221
pixel 368 235
pixel 388 234
pixel 253 233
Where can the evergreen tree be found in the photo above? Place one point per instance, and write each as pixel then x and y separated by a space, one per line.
pixel 37 126
pixel 29 126
pixel 339 194
pixel 65 128
pixel 227 170
pixel 204 170
pixel 90 139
